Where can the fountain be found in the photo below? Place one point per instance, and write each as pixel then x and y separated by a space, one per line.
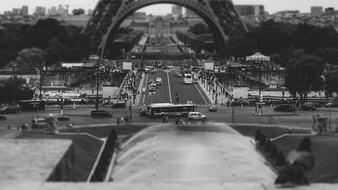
pixel 202 153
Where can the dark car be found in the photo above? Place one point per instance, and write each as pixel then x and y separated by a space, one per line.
pixel 308 106
pixel 213 108
pixel 101 113
pixel 119 105
pixel 285 108
pixel 14 108
pixel 143 112
pixel 2 117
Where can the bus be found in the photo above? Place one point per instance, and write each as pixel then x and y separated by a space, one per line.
pixel 188 79
pixel 160 109
pixel 32 105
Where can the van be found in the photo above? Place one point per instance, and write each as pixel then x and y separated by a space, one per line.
pixel 196 116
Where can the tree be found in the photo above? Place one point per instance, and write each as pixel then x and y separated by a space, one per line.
pixel 13 90
pixel 257 135
pixel 267 145
pixel 329 55
pixel 303 74
pixel 199 29
pixel 262 140
pixel 280 159
pixel 32 58
pixel 332 82
pixel 78 11
pixel 273 151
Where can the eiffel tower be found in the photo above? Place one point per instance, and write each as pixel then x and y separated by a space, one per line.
pixel 220 15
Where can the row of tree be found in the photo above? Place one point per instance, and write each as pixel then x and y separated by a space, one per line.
pixel 305 50
pixel 54 41
pixel 13 90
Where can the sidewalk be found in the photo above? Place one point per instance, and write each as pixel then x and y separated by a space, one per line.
pixel 221 98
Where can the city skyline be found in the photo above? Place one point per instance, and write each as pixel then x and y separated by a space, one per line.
pixel 271 6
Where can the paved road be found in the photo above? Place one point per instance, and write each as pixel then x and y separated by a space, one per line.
pixel 171 86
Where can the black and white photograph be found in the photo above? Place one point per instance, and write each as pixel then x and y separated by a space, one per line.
pixel 168 94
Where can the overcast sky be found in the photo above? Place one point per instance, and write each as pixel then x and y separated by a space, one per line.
pixel 270 5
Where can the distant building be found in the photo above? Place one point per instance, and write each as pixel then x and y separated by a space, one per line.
pixel 251 13
pixel 8 13
pixel 62 10
pixel 139 15
pixel 90 12
pixel 16 12
pixel 316 11
pixel 330 11
pixel 40 11
pixel 76 20
pixel 52 11
pixel 24 10
pixel 177 11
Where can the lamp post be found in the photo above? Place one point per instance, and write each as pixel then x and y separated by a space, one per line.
pixel 97 86
pixel 130 112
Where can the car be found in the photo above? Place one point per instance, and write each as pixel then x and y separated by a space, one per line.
pixel 196 116
pixel 40 123
pixel 101 113
pixel 2 117
pixel 284 108
pixel 119 105
pixel 63 118
pixel 213 108
pixel 143 111
pixel 152 88
pixel 178 74
pixel 308 106
pixel 13 108
pixel 159 81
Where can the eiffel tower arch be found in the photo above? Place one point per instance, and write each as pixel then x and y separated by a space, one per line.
pixel 220 16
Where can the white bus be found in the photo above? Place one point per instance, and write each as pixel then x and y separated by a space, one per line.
pixel 188 79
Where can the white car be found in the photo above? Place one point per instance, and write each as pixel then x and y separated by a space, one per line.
pixel 196 116
pixel 159 81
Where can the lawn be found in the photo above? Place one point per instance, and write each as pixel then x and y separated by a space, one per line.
pixel 268 131
pixel 85 151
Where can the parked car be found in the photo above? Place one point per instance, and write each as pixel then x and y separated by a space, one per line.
pixel 101 113
pixel 118 105
pixel 213 108
pixel 308 106
pixel 196 116
pixel 178 74
pixel 152 89
pixel 2 117
pixel 13 108
pixel 285 108
pixel 143 111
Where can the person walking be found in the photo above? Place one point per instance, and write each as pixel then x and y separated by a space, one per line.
pixel 177 98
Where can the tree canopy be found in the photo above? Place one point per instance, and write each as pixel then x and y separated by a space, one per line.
pixel 13 90
pixel 304 74
pixel 60 43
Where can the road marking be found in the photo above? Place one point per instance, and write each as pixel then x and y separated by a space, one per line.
pixel 171 101
pixel 144 95
pixel 205 101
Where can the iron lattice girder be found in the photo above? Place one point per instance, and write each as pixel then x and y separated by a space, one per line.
pixel 109 14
